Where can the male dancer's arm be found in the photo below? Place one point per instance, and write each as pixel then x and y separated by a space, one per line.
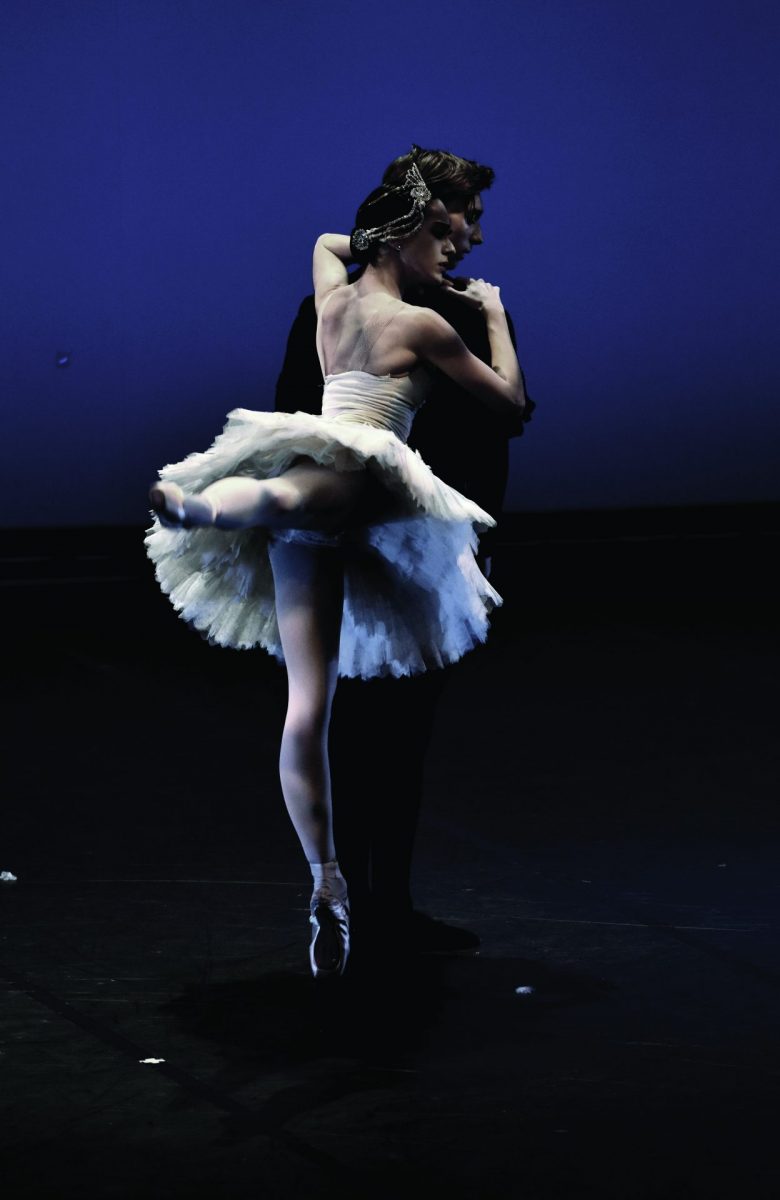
pixel 517 422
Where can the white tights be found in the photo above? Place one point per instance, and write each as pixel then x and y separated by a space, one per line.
pixel 309 596
pixel 309 590
pixel 309 593
pixel 306 496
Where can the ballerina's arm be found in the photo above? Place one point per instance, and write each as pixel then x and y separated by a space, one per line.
pixel 329 265
pixel 499 386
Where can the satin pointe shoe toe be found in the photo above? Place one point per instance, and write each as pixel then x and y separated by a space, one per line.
pixel 167 501
pixel 329 947
pixel 175 510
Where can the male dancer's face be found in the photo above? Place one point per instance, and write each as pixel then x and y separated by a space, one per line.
pixel 466 230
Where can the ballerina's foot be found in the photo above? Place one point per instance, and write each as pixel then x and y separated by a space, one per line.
pixel 177 510
pixel 329 947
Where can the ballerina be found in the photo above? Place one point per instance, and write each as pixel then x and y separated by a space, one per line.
pixel 325 539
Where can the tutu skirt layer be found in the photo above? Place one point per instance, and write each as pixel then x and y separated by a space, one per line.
pixel 414 597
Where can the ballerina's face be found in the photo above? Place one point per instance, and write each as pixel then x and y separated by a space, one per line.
pixel 427 254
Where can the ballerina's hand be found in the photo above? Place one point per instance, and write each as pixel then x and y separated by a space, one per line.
pixel 476 293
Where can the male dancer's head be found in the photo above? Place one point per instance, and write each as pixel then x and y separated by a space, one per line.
pixel 457 182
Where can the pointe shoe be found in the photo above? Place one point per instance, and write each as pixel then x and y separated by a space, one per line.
pixel 175 510
pixel 329 949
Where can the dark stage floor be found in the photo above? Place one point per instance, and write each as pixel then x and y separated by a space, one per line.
pixel 601 809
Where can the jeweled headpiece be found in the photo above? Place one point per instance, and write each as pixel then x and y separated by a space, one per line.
pixel 405 225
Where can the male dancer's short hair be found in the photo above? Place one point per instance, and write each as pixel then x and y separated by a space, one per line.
pixel 448 176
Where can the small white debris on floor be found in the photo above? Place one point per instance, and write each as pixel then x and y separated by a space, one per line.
pixel 525 990
pixel 152 1061
pixel 7 877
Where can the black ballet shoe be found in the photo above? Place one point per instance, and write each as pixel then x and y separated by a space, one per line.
pixel 414 932
pixel 329 949
pixel 430 936
pixel 175 510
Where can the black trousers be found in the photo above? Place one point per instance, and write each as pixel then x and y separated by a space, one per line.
pixel 380 733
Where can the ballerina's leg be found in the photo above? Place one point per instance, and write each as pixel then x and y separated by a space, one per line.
pixel 308 585
pixel 309 590
pixel 306 496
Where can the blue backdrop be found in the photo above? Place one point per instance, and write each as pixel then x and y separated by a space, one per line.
pixel 168 163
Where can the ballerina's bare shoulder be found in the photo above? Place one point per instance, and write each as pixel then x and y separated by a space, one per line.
pixel 365 332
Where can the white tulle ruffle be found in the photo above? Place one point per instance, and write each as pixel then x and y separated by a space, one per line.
pixel 414 597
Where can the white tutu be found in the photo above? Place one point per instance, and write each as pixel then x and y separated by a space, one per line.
pixel 414 597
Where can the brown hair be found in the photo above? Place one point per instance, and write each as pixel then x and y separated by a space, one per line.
pixel 387 203
pixel 448 176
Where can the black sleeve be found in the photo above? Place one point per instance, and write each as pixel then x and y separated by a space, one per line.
pixel 518 423
pixel 299 386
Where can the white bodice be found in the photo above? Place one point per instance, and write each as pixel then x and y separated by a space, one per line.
pixel 384 401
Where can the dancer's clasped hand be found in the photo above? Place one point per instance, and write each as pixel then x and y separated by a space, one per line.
pixel 476 293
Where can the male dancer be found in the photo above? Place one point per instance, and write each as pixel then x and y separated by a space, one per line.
pixel 381 729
